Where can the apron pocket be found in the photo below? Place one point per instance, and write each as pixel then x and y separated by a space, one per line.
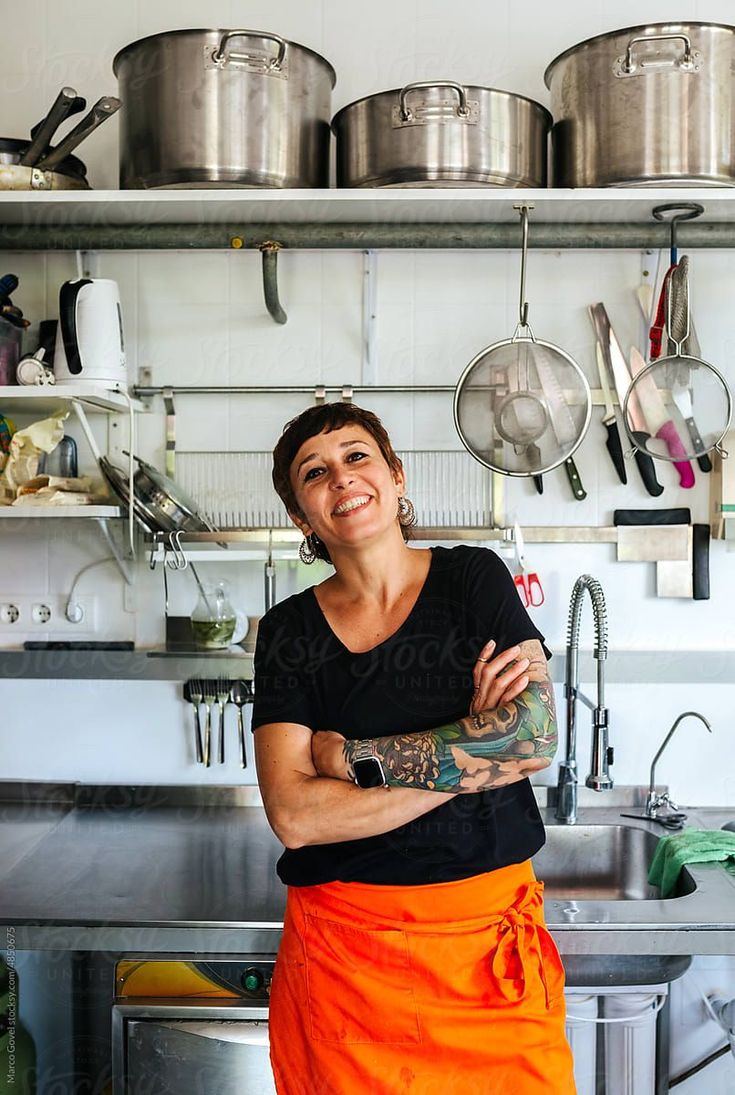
pixel 359 984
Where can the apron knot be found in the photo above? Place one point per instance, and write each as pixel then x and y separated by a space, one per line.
pixel 520 940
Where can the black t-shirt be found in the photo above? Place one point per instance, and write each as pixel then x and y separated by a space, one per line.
pixel 418 678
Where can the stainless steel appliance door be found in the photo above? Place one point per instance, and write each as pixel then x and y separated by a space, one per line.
pixel 198 1057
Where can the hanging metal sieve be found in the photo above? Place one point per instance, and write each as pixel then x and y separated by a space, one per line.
pixel 522 406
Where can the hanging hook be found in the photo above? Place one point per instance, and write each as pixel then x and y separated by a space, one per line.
pixel 688 211
pixel 523 303
pixel 179 561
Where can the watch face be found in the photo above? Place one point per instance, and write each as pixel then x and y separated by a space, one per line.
pixel 369 772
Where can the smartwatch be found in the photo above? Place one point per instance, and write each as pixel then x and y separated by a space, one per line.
pixel 367 769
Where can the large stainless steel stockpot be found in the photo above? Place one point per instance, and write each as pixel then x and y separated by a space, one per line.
pixel 441 133
pixel 645 106
pixel 223 108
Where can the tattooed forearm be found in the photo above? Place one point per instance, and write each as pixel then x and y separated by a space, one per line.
pixel 490 749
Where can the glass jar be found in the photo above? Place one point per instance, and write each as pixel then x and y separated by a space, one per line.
pixel 213 619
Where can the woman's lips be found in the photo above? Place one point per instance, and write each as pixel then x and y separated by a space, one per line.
pixel 355 508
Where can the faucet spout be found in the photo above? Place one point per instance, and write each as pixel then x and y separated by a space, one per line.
pixel 602 756
pixel 654 802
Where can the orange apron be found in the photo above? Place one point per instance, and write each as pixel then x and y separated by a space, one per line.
pixel 454 988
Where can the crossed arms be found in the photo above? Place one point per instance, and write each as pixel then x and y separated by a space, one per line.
pixel 305 777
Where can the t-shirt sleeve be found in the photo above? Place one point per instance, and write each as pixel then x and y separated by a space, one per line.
pixel 283 685
pixel 493 598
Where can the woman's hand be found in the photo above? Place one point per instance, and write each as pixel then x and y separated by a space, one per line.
pixel 497 680
pixel 328 755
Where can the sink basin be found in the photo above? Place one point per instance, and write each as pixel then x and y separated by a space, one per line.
pixel 600 863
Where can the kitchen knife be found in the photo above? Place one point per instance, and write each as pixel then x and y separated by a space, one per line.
pixel 658 419
pixel 616 365
pixel 682 397
pixel 610 422
pixel 562 422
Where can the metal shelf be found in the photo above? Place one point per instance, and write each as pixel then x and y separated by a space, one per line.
pixel 675 666
pixel 539 534
pixel 99 209
pixel 82 512
pixel 45 399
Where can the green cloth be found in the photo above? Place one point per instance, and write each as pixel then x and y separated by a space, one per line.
pixel 690 846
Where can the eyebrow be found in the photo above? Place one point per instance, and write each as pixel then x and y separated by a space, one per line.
pixel 342 445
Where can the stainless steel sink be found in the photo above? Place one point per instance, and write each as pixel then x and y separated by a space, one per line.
pixel 600 863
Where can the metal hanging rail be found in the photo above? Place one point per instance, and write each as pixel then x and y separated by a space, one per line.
pixel 356 236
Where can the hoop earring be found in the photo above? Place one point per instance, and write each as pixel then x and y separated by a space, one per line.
pixel 307 550
pixel 406 512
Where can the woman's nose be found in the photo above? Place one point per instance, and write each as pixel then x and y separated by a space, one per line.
pixel 339 478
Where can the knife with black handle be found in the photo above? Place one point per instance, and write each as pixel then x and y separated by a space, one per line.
pixel 645 464
pixel 574 479
pixel 617 367
pixel 610 422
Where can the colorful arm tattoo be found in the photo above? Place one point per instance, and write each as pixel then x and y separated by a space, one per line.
pixel 490 749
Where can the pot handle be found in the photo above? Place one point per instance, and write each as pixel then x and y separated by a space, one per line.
pixel 221 56
pixel 687 62
pixel 462 110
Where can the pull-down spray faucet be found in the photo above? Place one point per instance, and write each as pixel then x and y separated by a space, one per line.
pixel 602 755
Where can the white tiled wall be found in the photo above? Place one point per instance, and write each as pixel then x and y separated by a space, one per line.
pixel 196 317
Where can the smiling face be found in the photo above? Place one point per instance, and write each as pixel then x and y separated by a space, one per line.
pixel 344 487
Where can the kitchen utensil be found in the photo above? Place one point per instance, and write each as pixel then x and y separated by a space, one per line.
pixel 194 693
pixel 609 420
pixel 89 339
pixel 223 698
pixel 527 584
pixel 69 175
pixel 209 690
pixel 240 694
pixel 501 409
pixel 562 422
pixel 66 103
pixel 32 371
pixel 650 105
pixel 658 419
pixel 683 334
pixel 696 383
pixel 171 508
pixel 61 461
pixel 213 618
pixel 269 577
pixel 442 133
pixel 103 109
pixel 11 341
pixel 233 108
pixel 617 367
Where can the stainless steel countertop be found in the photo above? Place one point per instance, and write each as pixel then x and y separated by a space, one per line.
pixel 145 878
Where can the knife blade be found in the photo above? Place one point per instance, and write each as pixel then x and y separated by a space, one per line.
pixel 610 422
pixel 562 422
pixel 659 420
pixel 682 397
pixel 617 367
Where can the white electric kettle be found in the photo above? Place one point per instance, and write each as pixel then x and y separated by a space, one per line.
pixel 89 339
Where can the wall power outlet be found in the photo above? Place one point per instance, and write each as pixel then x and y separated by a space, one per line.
pixel 45 614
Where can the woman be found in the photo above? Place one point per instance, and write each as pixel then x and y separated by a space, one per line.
pixel 414 955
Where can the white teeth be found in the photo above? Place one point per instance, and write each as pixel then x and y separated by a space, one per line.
pixel 352 503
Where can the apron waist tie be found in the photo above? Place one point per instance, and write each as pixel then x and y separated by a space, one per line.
pixel 521 935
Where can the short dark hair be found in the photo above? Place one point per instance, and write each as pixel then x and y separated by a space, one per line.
pixel 323 419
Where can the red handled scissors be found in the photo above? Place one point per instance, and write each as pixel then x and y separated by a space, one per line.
pixel 527 582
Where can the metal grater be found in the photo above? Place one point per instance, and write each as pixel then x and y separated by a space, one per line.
pixel 234 489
